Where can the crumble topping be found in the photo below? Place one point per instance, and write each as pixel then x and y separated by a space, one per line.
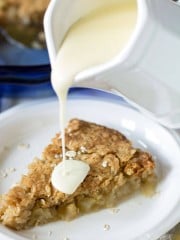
pixel 107 227
pixel 70 154
pixel 23 20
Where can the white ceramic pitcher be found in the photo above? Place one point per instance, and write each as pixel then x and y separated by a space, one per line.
pixel 147 72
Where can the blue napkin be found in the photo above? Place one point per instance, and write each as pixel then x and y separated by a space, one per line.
pixel 24 72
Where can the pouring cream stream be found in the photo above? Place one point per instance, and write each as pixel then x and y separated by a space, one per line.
pixel 93 40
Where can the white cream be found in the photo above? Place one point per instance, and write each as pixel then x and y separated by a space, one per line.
pixel 91 41
pixel 67 177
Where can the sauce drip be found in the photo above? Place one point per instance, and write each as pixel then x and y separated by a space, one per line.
pixel 93 40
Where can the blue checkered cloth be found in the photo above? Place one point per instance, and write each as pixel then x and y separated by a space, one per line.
pixel 23 82
pixel 24 72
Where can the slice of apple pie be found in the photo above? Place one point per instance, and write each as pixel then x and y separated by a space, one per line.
pixel 116 169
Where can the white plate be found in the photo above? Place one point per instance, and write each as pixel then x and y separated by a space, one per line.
pixel 139 218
